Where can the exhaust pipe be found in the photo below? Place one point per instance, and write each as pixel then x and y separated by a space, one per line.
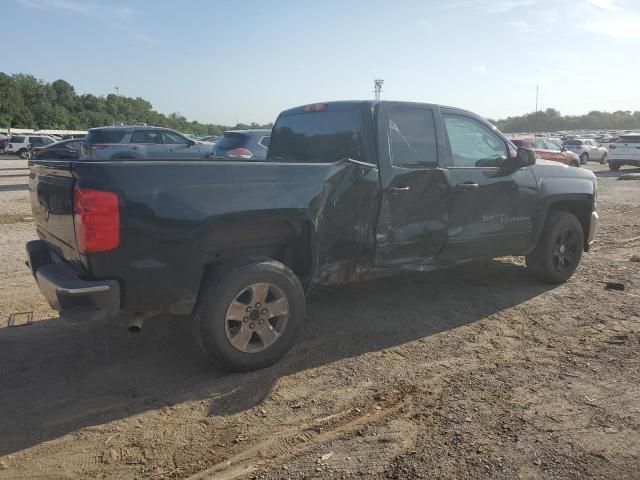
pixel 135 325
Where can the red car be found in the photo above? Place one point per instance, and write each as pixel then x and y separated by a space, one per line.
pixel 548 149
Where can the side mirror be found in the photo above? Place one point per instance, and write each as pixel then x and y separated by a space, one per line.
pixel 191 143
pixel 563 149
pixel 525 157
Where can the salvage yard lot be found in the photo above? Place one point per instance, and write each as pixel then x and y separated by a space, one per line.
pixel 474 372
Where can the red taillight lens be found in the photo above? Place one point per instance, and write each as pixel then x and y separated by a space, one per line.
pixel 39 152
pixel 315 107
pixel 97 220
pixel 240 153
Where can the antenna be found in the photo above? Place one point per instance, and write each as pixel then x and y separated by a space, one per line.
pixel 377 83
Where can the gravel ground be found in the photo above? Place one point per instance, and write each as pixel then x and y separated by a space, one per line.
pixel 474 372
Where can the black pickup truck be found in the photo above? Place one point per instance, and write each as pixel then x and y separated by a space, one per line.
pixel 349 190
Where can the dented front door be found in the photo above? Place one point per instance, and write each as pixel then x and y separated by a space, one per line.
pixel 412 225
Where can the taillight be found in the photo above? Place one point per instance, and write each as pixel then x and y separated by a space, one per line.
pixel 39 152
pixel 240 153
pixel 97 220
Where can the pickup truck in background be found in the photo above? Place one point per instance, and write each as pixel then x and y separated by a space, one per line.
pixel 350 189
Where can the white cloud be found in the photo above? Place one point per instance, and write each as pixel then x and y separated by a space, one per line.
pixel 520 25
pixel 620 27
pixel 143 37
pixel 500 6
pixel 481 69
pixel 604 4
pixel 70 5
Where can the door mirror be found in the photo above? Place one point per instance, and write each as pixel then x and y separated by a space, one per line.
pixel 191 143
pixel 563 149
pixel 525 157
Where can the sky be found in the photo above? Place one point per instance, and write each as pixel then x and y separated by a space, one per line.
pixel 229 61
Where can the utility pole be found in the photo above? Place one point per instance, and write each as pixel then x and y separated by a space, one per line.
pixel 117 89
pixel 535 122
pixel 377 83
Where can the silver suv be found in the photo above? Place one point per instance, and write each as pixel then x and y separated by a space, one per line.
pixel 140 142
pixel 587 149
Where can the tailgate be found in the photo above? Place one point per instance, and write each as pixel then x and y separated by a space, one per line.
pixel 51 193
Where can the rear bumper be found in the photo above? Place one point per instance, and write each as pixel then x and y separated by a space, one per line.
pixel 593 227
pixel 66 292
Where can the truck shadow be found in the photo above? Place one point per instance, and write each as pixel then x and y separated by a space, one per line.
pixel 616 173
pixel 58 377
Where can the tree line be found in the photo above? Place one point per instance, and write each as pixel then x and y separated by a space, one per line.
pixel 29 102
pixel 550 120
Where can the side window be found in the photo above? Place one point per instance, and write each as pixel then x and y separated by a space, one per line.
pixel 265 141
pixel 412 137
pixel 173 139
pixel 36 141
pixel 539 143
pixel 46 141
pixel 474 144
pixel 73 145
pixel 551 145
pixel 145 136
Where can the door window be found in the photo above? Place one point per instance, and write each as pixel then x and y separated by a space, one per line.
pixel 539 143
pixel 551 145
pixel 145 136
pixel 171 138
pixel 412 138
pixel 474 144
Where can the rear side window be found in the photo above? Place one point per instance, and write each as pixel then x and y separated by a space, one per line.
pixel 16 139
pixel 573 142
pixel 231 140
pixel 105 136
pixel 265 141
pixel 317 137
pixel 146 136
pixel 628 139
pixel 412 137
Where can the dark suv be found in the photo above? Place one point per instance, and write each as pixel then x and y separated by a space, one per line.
pixel 243 145
pixel 140 142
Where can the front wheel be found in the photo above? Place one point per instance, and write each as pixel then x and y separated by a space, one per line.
pixel 559 250
pixel 249 313
pixel 603 160
pixel 584 158
pixel 24 154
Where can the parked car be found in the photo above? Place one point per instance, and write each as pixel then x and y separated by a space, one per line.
pixel 587 149
pixel 350 189
pixel 625 150
pixel 63 150
pixel 140 142
pixel 548 149
pixel 210 138
pixel 21 145
pixel 4 140
pixel 242 144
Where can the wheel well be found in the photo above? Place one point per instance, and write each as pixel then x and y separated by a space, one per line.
pixel 288 241
pixel 580 208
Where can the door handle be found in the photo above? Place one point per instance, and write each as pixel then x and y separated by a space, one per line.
pixel 400 189
pixel 467 186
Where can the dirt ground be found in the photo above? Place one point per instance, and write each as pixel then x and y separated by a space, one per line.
pixel 474 372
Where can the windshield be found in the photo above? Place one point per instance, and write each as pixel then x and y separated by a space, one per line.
pixel 325 136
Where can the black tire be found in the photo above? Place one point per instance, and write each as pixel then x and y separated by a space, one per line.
pixel 23 154
pixel 559 249
pixel 584 158
pixel 575 164
pixel 603 160
pixel 614 166
pixel 211 323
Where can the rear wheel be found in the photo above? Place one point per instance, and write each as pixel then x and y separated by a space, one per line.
pixel 575 163
pixel 584 158
pixel 614 166
pixel 559 250
pixel 249 313
pixel 24 154
pixel 603 160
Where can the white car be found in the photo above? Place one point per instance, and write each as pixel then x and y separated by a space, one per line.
pixel 587 149
pixel 625 150
pixel 21 145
